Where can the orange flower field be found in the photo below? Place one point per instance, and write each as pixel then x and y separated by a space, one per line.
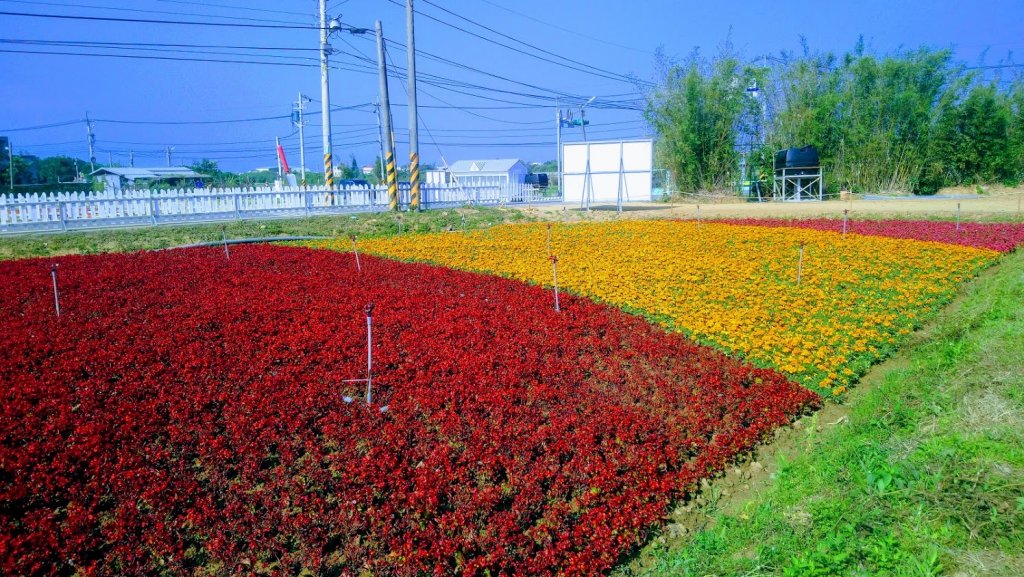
pixel 733 287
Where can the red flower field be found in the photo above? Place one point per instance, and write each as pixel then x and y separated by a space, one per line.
pixel 185 414
pixel 1001 237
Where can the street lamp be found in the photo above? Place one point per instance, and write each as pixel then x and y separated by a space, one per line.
pixel 326 29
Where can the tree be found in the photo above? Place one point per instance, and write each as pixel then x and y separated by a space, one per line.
pixel 549 166
pixel 207 167
pixel 697 112
pixel 58 169
pixel 971 141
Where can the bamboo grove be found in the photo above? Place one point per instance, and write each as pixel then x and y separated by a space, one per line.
pixel 909 121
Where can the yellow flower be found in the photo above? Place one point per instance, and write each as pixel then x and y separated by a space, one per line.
pixel 732 287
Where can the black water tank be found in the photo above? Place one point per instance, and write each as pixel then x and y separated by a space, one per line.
pixel 806 156
pixel 802 157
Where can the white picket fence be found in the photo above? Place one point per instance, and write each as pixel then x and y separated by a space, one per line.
pixel 111 209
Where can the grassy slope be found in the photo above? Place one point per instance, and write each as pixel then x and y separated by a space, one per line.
pixel 925 477
pixel 131 239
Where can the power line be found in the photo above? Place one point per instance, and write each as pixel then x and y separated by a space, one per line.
pixel 563 29
pixel 42 126
pixel 232 7
pixel 148 57
pixel 594 71
pixel 537 48
pixel 104 44
pixel 152 21
pixel 140 11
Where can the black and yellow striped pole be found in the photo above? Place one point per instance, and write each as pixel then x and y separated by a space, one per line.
pixel 414 181
pixel 414 144
pixel 389 135
pixel 329 177
pixel 392 181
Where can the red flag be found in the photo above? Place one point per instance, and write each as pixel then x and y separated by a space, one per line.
pixel 284 161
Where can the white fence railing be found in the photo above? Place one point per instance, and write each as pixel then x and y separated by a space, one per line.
pixel 84 210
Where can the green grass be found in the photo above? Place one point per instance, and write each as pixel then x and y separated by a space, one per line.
pixel 143 238
pixel 924 476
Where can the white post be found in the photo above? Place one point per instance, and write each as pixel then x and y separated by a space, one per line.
pixel 369 353
pixel 846 215
pixel 355 249
pixel 56 294
pixel 554 267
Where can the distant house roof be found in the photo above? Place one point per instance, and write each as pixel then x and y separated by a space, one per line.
pixel 496 165
pixel 149 173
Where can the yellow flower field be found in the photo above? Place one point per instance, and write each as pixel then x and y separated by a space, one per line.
pixel 733 287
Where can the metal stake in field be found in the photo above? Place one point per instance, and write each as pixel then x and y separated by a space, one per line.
pixel 399 225
pixel 463 224
pixel 369 353
pixel 554 268
pixel 846 216
pixel 958 217
pixel 548 242
pixel 800 265
pixel 355 249
pixel 698 216
pixel 56 294
pixel 224 236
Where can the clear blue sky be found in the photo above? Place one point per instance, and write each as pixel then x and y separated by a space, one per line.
pixel 464 121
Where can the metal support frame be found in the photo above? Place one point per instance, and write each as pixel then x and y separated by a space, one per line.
pixel 798 183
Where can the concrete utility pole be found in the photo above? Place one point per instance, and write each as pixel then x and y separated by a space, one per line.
pixel 380 141
pixel 325 97
pixel 558 143
pixel 110 158
pixel 10 166
pixel 414 136
pixel 389 142
pixel 301 105
pixel 131 158
pixel 169 149
pixel 92 144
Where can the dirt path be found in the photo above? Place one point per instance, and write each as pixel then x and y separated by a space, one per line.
pixel 1005 206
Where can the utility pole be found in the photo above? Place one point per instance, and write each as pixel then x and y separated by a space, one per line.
pixel 10 159
pixel 389 143
pixel 169 149
pixel 414 137
pixel 325 97
pixel 558 143
pixel 380 141
pixel 300 106
pixel 92 144
pixel 131 158
pixel 110 158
